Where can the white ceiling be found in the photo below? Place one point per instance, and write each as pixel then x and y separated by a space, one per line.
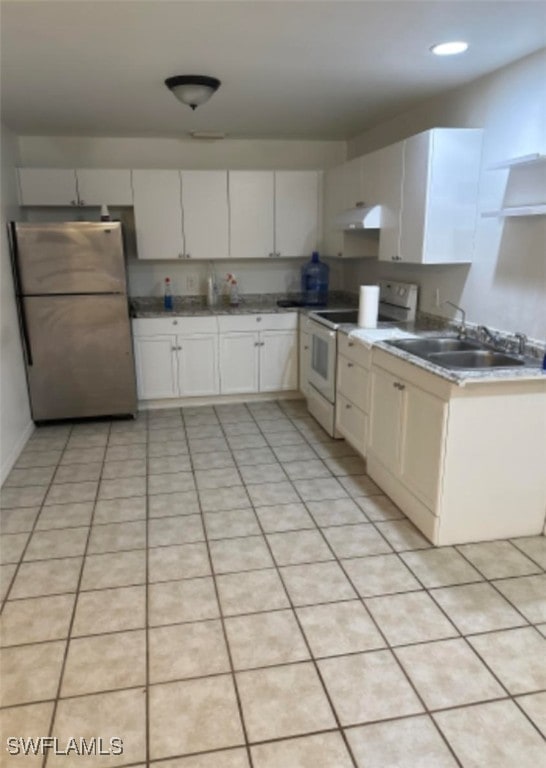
pixel 310 69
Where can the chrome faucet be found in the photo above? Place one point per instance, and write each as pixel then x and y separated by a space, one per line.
pixel 462 328
pixel 522 341
pixel 488 335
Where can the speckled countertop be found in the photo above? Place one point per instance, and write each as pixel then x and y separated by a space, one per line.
pixel 424 327
pixel 195 306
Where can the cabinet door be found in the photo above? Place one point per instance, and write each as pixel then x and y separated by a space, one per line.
pixel 205 210
pixel 109 187
pixel 386 416
pixel 391 165
pixel 238 362
pixel 198 365
pixel 47 186
pixel 251 205
pixel 352 183
pixel 333 201
pixel 352 423
pixel 158 214
pixel 304 361
pixel 414 197
pixel 278 360
pixel 296 212
pixel 452 198
pixel 422 443
pixel 155 360
pixel 352 382
pixel 370 174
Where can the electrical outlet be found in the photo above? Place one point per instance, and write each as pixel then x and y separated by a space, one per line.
pixel 192 282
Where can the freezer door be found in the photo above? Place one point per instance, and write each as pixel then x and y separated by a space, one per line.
pixel 70 257
pixel 81 357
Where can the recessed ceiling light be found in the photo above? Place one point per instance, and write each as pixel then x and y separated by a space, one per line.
pixel 449 49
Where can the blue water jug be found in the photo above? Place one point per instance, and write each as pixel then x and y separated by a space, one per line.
pixel 314 281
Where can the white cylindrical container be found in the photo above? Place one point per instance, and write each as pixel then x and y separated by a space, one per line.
pixel 368 306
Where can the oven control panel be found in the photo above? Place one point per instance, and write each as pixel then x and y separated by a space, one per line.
pixel 399 295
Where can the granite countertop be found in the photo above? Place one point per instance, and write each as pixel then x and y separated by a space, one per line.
pixel 195 306
pixel 531 371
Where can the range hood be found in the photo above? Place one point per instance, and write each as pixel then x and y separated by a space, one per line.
pixel 360 217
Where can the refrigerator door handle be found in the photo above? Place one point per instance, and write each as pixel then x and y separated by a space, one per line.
pixel 18 296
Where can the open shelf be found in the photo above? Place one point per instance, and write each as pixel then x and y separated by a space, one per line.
pixel 534 159
pixel 517 210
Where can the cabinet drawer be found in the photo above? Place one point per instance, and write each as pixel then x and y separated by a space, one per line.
pixel 151 326
pixel 305 324
pixel 354 350
pixel 352 423
pixel 353 382
pixel 285 321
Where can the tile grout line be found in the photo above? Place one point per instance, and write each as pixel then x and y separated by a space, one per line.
pixel 335 558
pixel 221 612
pixel 31 532
pixel 75 606
pixel 147 735
pixel 384 637
pixel 304 637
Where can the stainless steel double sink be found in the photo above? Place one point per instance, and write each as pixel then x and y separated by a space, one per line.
pixel 449 352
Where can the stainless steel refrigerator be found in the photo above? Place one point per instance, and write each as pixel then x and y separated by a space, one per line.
pixel 71 287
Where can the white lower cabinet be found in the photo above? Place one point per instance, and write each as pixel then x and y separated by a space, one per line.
pixel 465 463
pixel 278 360
pixel 407 434
pixel 351 422
pixel 176 357
pixel 258 353
pixel 352 392
pixel 197 357
pixel 203 356
pixel 239 362
pixel 156 368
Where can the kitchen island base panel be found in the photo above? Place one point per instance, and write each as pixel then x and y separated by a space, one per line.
pixel 417 512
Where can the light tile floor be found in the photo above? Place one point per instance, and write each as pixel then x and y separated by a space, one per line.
pixel 226 587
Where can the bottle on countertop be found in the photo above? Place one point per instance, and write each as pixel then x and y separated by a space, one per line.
pixel 212 290
pixel 105 213
pixel 314 281
pixel 234 299
pixel 168 296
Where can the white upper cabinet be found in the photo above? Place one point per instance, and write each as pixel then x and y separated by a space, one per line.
pixel 206 214
pixel 97 186
pixel 439 196
pixel 345 187
pixel 158 214
pixel 47 186
pixel 82 187
pixel 251 203
pixel 332 244
pixel 273 213
pixel 389 169
pixel 296 212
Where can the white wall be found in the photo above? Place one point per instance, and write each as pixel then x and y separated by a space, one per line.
pixel 146 278
pixel 280 276
pixel 505 287
pixel 15 422
pixel 99 152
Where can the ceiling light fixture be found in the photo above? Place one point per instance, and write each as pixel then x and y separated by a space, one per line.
pixel 192 90
pixel 449 49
